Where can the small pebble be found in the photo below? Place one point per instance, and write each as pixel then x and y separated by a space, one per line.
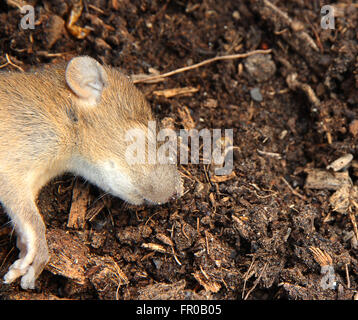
pixel 236 15
pixel 260 67
pixel 256 94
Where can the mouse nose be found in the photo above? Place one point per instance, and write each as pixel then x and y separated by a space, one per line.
pixel 173 197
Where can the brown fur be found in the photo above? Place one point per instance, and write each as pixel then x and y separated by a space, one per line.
pixel 43 126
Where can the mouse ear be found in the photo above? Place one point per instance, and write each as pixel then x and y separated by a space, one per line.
pixel 86 78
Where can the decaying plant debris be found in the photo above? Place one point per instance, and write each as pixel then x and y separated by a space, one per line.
pixel 274 228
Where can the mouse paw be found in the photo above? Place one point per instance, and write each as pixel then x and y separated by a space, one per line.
pixel 28 267
pixel 15 271
pixel 28 279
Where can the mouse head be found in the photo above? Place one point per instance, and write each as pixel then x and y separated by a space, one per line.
pixel 104 107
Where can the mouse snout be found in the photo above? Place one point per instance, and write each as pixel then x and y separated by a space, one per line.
pixel 163 184
pixel 162 196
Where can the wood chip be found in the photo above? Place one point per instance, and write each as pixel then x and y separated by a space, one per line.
pixel 69 256
pixel 165 239
pixel 154 247
pixel 322 179
pixel 341 162
pixel 211 103
pixel 79 204
pixel 169 93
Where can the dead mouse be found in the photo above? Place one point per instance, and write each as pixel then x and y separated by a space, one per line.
pixel 70 118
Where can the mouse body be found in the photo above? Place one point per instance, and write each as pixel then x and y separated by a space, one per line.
pixel 71 118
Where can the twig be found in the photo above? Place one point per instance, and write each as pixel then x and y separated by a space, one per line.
pixel 184 175
pixel 96 9
pixel 296 35
pixel 175 256
pixel 347 276
pixel 183 231
pixel 204 273
pixel 353 218
pixel 247 276
pixel 189 175
pixel 318 40
pixel 293 84
pixel 293 190
pixel 256 281
pixel 9 62
pixel 354 222
pixel 269 154
pixel 321 257
pixel 150 218
pixel 8 254
pixel 294 25
pixel 207 243
pixel 200 64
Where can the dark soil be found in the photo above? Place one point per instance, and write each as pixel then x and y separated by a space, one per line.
pixel 250 237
